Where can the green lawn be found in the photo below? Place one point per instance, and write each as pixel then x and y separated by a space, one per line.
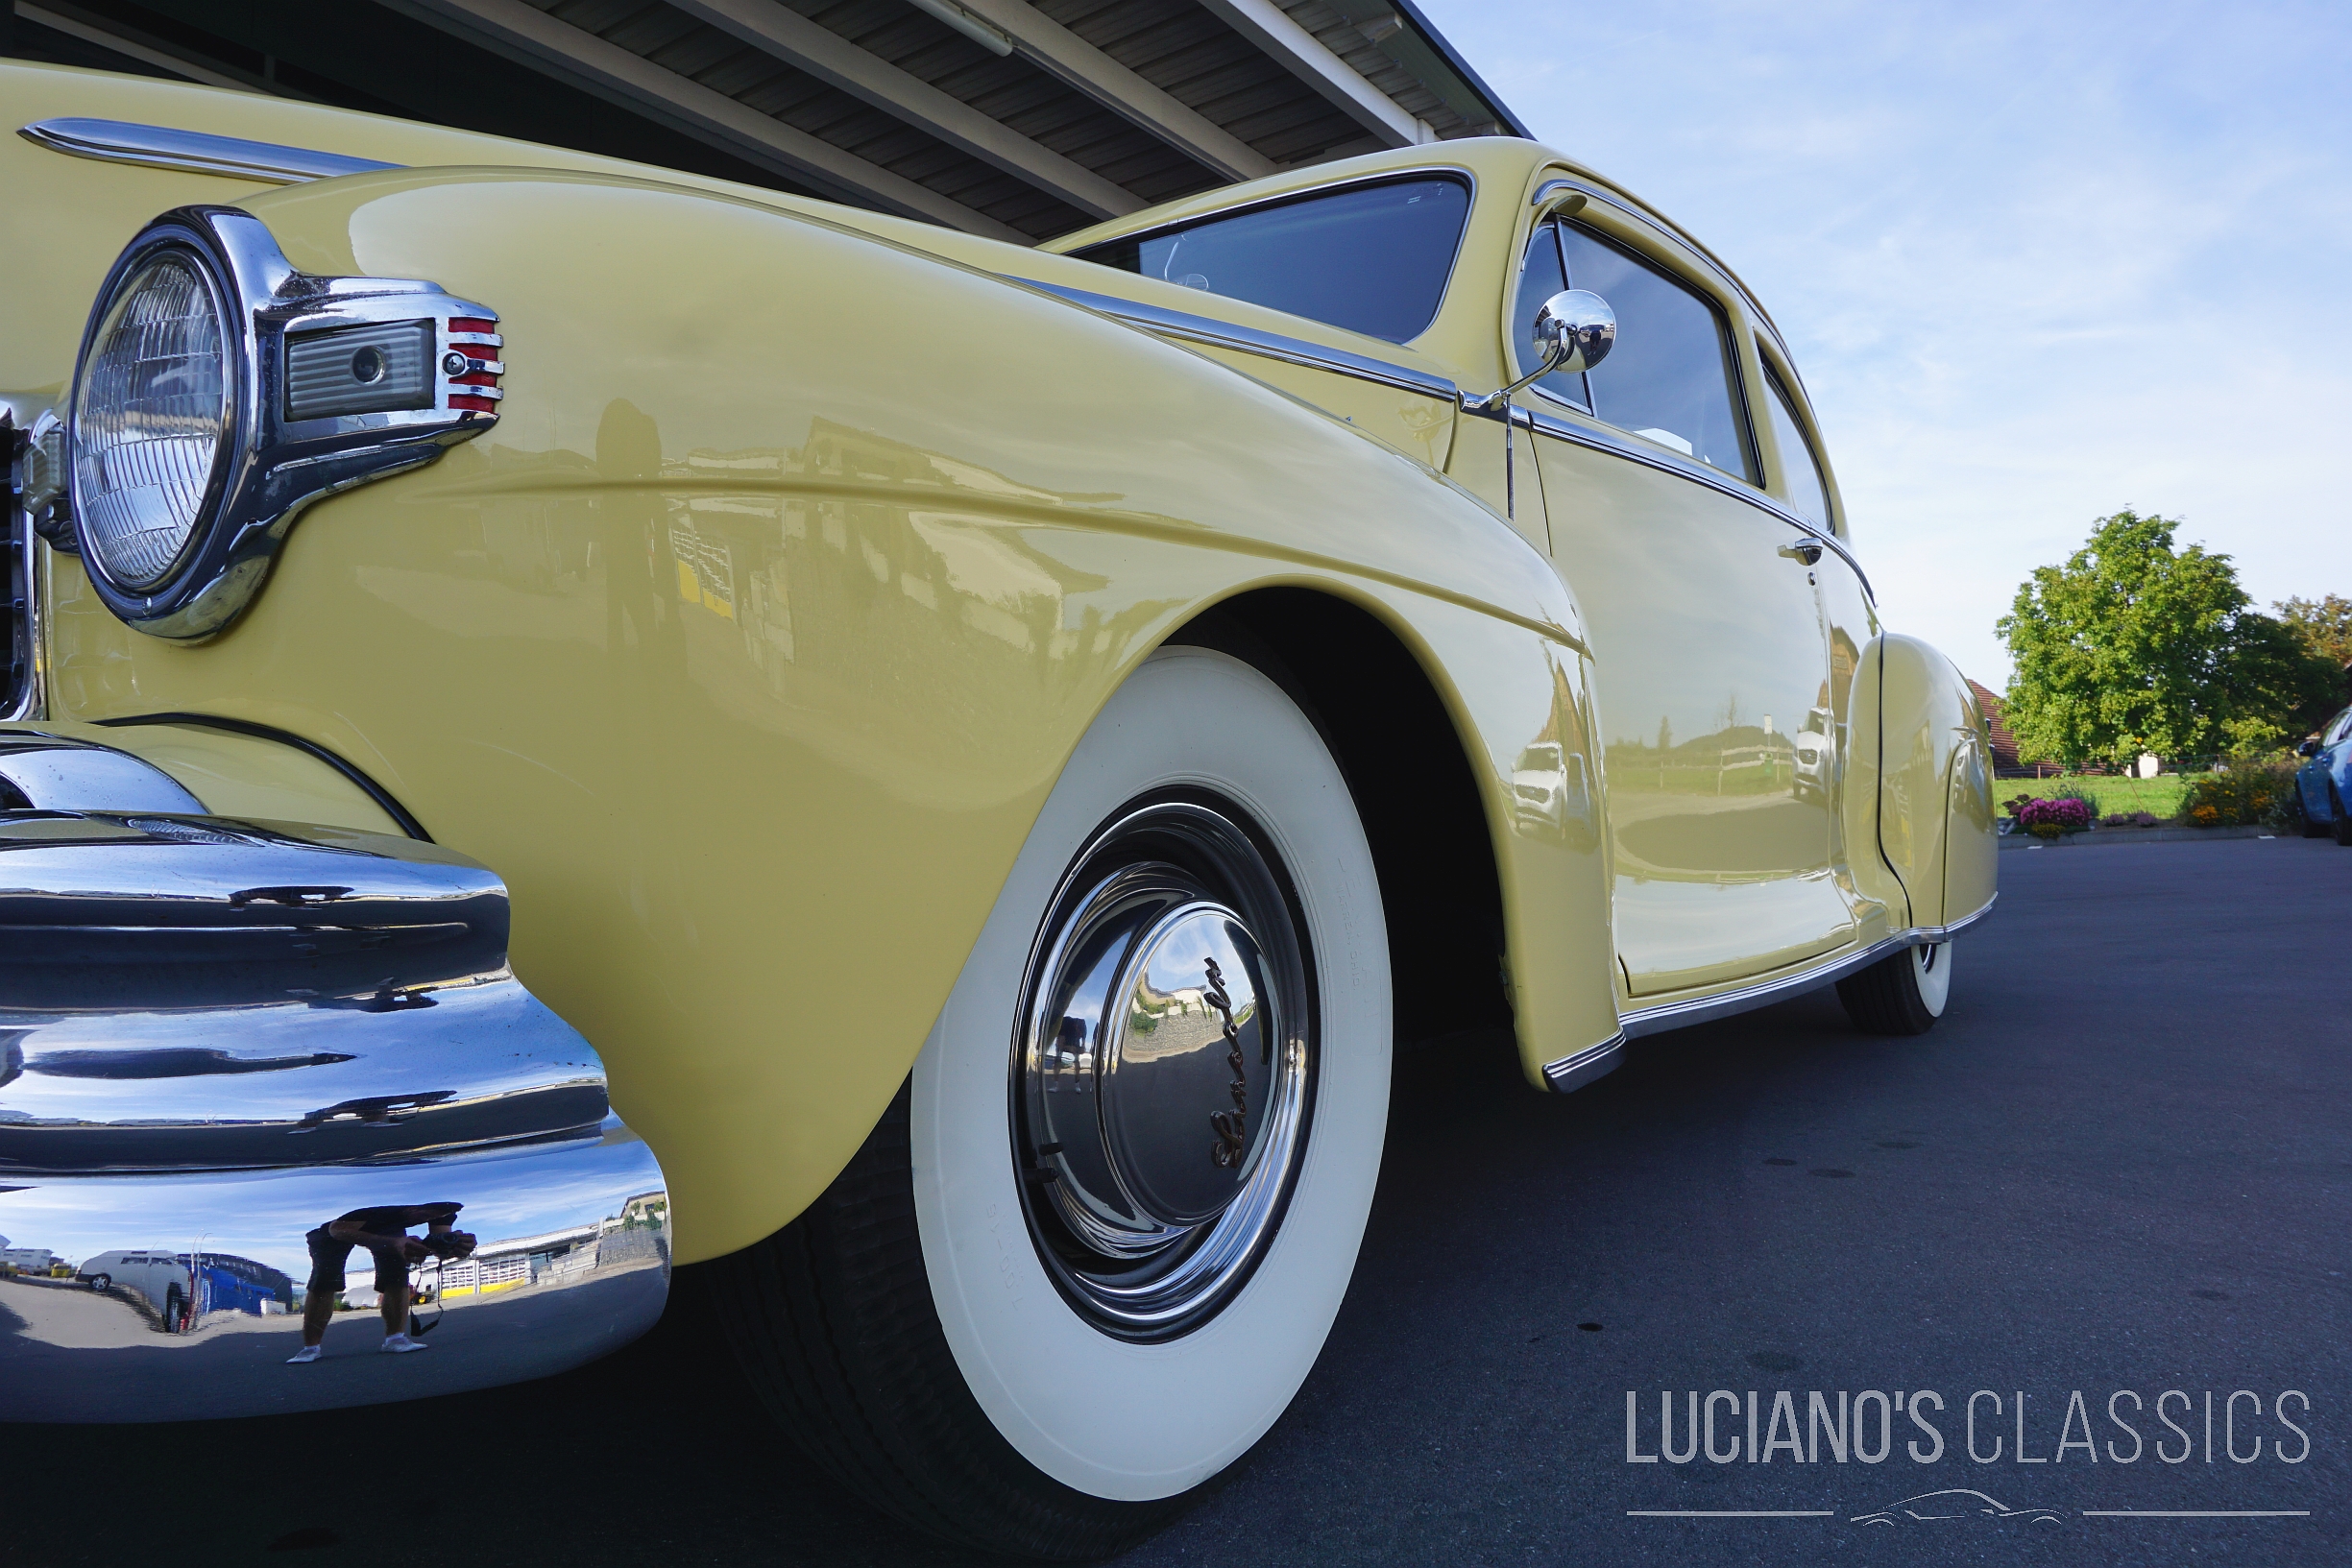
pixel 2160 795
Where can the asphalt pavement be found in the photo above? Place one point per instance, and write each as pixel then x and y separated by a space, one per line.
pixel 2118 1169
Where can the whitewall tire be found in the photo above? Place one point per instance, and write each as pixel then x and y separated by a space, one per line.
pixel 1902 994
pixel 1127 1252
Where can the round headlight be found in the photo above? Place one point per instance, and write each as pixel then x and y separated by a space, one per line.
pixel 151 417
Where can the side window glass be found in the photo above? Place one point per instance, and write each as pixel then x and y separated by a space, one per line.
pixel 1806 491
pixel 1541 277
pixel 1373 259
pixel 1670 379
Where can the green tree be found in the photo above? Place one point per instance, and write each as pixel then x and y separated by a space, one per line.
pixel 2324 626
pixel 2133 645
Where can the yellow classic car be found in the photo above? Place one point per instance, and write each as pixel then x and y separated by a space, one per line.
pixel 976 752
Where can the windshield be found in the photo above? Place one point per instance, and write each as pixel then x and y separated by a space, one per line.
pixel 1371 258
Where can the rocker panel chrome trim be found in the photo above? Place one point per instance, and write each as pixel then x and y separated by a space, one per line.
pixel 1571 1073
pixel 1674 1015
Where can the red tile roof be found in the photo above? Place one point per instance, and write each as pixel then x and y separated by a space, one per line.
pixel 2004 744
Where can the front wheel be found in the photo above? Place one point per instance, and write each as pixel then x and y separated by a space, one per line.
pixel 1901 995
pixel 1095 1245
pixel 2342 817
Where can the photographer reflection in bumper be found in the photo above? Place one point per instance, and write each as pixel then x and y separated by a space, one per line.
pixel 384 1233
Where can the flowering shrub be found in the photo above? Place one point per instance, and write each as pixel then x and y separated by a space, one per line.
pixel 2064 815
pixel 2129 819
pixel 2247 794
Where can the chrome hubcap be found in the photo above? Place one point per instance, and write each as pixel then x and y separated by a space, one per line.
pixel 1163 1073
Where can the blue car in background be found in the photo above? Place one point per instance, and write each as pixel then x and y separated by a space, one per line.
pixel 2324 780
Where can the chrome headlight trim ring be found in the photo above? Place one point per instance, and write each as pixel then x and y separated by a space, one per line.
pixel 139 539
pixel 271 465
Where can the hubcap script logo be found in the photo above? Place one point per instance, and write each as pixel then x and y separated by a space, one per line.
pixel 1231 1126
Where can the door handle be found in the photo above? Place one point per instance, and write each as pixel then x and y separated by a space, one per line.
pixel 1807 550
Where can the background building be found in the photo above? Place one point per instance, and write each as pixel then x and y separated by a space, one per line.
pixel 1008 118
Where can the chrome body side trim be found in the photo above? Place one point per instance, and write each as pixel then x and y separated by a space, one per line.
pixel 272 465
pixel 1221 334
pixel 1657 457
pixel 217 1037
pixel 1571 1073
pixel 160 147
pixel 1674 1015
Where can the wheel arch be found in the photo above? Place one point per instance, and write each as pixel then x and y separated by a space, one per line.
pixel 1493 881
pixel 1332 657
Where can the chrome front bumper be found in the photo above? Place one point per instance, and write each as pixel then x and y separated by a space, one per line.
pixel 216 1036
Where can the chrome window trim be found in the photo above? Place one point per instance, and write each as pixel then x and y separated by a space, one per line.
pixel 1745 412
pixel 1219 334
pixel 1608 441
pixel 197 152
pixel 1384 176
pixel 1706 257
pixel 1773 387
pixel 1283 199
pixel 1674 1015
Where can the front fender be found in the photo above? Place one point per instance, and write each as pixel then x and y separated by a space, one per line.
pixel 749 642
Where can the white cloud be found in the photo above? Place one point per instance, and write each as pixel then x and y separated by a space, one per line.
pixel 2036 262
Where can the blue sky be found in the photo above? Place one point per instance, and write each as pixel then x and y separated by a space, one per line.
pixel 2036 262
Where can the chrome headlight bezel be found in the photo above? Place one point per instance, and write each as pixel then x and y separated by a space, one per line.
pixel 270 464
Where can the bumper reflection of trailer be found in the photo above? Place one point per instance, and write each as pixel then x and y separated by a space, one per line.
pixel 181 1287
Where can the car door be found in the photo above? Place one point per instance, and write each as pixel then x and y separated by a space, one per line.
pixel 1713 679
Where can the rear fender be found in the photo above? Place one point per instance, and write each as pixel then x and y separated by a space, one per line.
pixel 1936 800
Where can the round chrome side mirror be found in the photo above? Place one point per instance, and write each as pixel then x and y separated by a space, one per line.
pixel 1574 331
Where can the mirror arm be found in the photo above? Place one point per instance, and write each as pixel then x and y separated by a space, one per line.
pixel 1471 404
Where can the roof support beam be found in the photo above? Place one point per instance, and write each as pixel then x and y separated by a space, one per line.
pixel 137 48
pixel 785 34
pixel 615 74
pixel 1271 28
pixel 1079 64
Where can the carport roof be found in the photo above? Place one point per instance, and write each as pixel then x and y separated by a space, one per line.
pixel 1019 119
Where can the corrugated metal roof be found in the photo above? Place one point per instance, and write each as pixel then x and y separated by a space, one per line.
pixel 1187 52
pixel 1069 112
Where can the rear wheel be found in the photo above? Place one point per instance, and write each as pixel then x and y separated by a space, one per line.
pixel 1901 995
pixel 1095 1246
